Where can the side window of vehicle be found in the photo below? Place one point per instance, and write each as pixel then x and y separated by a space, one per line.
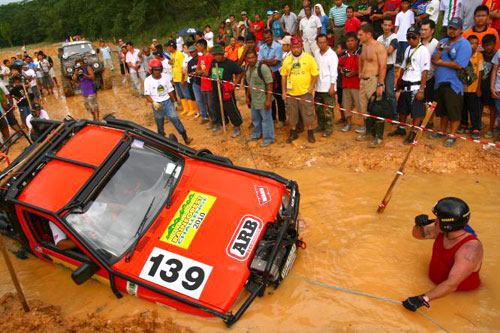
pixel 40 228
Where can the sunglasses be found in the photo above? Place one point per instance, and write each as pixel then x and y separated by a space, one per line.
pixel 411 37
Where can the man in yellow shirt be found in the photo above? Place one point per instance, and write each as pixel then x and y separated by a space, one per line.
pixel 299 75
pixel 176 61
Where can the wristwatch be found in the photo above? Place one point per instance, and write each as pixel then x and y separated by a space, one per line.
pixel 426 298
pixel 380 85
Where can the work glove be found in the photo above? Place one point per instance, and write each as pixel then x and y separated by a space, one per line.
pixel 157 106
pixel 413 303
pixel 423 220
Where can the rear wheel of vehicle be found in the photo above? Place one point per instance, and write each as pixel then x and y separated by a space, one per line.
pixel 172 137
pixel 67 87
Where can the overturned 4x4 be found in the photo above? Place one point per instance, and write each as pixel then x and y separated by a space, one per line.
pixel 177 226
pixel 72 51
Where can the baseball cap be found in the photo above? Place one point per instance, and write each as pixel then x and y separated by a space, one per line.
pixel 286 40
pixel 456 23
pixel 36 106
pixel 269 12
pixel 192 48
pixel 244 13
pixel 155 40
pixel 413 31
pixel 19 53
pixel 276 12
pixel 217 49
pixel 228 20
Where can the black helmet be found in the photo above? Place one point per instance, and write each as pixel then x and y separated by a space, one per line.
pixel 453 214
pixel 17 64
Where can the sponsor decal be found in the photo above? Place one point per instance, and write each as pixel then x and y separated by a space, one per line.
pixel 38 248
pixel 292 255
pixel 132 288
pixel 244 238
pixel 172 271
pixel 188 219
pixel 263 195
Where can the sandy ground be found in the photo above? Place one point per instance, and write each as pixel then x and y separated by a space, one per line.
pixel 310 163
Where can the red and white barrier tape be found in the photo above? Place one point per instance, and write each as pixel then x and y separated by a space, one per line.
pixel 395 122
pixel 11 108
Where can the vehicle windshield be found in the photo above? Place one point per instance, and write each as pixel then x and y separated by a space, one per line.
pixel 76 49
pixel 110 222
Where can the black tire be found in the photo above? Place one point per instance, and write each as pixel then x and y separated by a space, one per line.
pixel 173 138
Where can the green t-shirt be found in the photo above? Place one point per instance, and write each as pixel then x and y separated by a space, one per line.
pixel 252 76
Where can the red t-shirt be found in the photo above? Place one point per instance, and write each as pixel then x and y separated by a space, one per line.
pixel 259 35
pixel 205 60
pixel 350 62
pixel 392 5
pixel 493 5
pixel 352 25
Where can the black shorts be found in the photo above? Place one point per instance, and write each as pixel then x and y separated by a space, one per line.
pixel 430 93
pixel 123 67
pixel 449 103
pixel 408 105
pixel 11 118
pixel 3 123
pixel 486 99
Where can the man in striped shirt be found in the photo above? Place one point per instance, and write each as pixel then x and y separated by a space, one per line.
pixel 338 17
pixel 450 9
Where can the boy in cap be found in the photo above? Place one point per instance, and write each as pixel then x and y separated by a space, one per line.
pixel 414 68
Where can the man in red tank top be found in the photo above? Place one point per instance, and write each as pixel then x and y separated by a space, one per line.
pixel 457 254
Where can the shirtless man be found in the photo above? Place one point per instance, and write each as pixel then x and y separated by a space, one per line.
pixel 457 253
pixel 372 70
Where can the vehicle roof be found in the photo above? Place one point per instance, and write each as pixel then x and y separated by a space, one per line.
pixel 76 43
pixel 59 181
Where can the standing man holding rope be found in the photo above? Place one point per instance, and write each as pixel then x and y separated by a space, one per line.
pixel 457 253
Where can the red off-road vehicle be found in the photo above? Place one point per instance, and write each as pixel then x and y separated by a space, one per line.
pixel 153 218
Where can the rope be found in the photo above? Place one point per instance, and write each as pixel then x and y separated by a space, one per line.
pixel 375 297
pixel 396 122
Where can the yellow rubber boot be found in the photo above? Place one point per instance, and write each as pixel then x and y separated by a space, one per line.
pixel 185 107
pixel 193 108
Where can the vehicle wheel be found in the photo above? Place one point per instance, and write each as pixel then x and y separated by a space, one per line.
pixel 172 137
pixel 106 82
pixel 67 87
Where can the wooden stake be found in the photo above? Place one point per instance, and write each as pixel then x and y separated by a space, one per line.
pixel 220 98
pixel 26 95
pixel 400 172
pixel 13 276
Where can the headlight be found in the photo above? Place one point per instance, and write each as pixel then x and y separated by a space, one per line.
pixel 285 201
pixel 69 69
pixel 65 56
pixel 96 65
pixel 92 52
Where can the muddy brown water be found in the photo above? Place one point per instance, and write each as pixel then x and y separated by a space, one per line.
pixel 348 244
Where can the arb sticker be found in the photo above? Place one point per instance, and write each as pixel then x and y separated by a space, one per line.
pixel 172 271
pixel 263 195
pixel 188 219
pixel 244 238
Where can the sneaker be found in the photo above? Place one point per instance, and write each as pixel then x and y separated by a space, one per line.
pixel 347 127
pixel 399 131
pixel 449 142
pixel 475 135
pixel 204 121
pixel 266 143
pixel 375 143
pixel 488 135
pixel 250 139
pixel 461 130
pixel 436 136
pixel 236 132
pixel 364 137
pixel 361 130
pixel 340 121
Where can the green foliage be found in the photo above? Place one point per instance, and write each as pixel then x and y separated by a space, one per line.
pixel 28 22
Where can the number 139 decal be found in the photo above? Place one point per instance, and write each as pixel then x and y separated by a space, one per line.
pixel 175 272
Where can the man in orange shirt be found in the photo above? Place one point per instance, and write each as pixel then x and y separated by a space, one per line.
pixel 231 51
pixel 480 28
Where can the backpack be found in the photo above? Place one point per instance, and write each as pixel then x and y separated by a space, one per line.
pixel 380 108
pixel 467 74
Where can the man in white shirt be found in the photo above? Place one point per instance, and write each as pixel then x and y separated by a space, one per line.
pixel 427 39
pixel 404 20
pixel 289 20
pixel 36 113
pixel 310 28
pixel 30 76
pixel 415 66
pixel 160 93
pixel 5 72
pixel 390 41
pixel 180 42
pixel 450 9
pixel 209 37
pixel 134 62
pixel 326 86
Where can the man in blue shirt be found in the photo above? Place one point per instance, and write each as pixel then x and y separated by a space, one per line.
pixel 451 55
pixel 271 54
pixel 106 56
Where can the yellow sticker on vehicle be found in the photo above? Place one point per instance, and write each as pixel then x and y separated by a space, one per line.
pixel 188 219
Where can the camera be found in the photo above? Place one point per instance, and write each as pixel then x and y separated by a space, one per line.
pixel 78 70
pixel 442 47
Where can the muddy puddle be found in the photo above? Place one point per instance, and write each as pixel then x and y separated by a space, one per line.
pixel 348 244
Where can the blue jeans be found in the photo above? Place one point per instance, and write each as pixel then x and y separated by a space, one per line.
pixel 24 111
pixel 264 126
pixel 401 52
pixel 389 89
pixel 181 91
pixel 168 110
pixel 497 105
pixel 199 100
